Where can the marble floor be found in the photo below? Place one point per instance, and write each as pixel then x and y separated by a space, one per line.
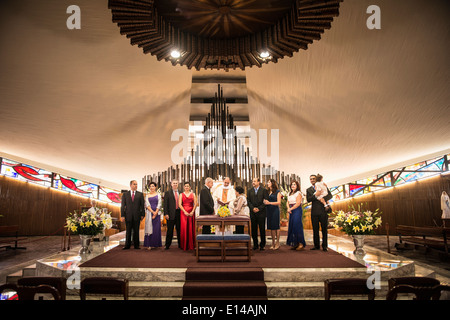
pixel 47 250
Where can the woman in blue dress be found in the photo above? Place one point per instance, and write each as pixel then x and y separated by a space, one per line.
pixel 273 212
pixel 296 238
pixel 152 230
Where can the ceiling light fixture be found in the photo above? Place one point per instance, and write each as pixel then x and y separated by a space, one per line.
pixel 264 54
pixel 175 54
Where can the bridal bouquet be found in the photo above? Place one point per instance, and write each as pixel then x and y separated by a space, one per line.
pixel 356 221
pixel 91 222
pixel 223 212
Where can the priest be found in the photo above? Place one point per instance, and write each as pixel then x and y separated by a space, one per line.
pixel 224 195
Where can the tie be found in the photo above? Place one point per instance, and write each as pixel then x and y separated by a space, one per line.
pixel 132 197
pixel 176 199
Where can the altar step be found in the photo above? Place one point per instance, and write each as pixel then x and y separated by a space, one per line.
pixel 139 290
pixel 28 271
pixel 224 283
pixel 287 283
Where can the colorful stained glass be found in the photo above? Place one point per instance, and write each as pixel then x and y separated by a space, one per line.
pixel 353 188
pixel 387 180
pixel 337 193
pixel 436 165
pixel 75 186
pixel 26 173
pixel 109 195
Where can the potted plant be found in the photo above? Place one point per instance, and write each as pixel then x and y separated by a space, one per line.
pixel 357 222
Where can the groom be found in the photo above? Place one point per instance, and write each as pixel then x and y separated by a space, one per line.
pixel 172 213
pixel 255 201
pixel 318 215
pixel 132 211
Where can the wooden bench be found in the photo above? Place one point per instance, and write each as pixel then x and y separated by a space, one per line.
pixel 421 236
pixel 223 245
pixel 237 244
pixel 10 235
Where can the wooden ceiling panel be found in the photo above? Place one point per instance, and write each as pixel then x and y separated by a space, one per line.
pixel 223 34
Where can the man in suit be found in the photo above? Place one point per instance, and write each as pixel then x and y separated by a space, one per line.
pixel 206 203
pixel 132 211
pixel 255 201
pixel 318 216
pixel 172 213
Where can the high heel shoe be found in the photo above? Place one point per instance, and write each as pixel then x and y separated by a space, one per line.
pixel 300 247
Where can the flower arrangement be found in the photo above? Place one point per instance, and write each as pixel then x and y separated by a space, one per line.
pixel 357 221
pixel 91 222
pixel 223 212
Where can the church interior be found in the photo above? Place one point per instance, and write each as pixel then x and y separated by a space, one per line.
pixel 97 94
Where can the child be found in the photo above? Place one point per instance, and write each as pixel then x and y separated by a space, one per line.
pixel 321 190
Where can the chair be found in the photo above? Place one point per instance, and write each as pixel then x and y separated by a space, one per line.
pixel 58 283
pixel 345 287
pixel 29 293
pixel 104 285
pixel 413 281
pixel 421 293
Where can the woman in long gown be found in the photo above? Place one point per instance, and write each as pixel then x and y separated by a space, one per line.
pixel 273 212
pixel 296 238
pixel 188 203
pixel 152 230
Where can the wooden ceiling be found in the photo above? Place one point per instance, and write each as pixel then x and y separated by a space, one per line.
pixel 223 34
pixel 220 19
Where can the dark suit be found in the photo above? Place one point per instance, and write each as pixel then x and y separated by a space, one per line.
pixel 258 219
pixel 206 206
pixel 133 212
pixel 318 216
pixel 170 209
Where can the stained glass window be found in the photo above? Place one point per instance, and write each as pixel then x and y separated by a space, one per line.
pixel 109 195
pixel 75 186
pixel 25 172
pixel 397 177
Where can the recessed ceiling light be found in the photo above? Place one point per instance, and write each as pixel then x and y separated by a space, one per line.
pixel 264 54
pixel 175 54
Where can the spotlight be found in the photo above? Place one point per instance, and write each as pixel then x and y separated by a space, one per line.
pixel 175 54
pixel 264 54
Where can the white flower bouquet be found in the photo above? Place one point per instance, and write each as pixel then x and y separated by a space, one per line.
pixel 91 222
pixel 357 221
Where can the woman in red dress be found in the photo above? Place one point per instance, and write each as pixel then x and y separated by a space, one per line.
pixel 188 203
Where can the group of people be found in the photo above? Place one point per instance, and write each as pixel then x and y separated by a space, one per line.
pixel 261 204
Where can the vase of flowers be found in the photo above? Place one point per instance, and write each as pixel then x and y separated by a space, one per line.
pixel 87 225
pixel 357 222
pixel 223 212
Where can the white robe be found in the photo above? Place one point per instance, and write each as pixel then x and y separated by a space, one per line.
pixel 231 195
pixel 445 206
